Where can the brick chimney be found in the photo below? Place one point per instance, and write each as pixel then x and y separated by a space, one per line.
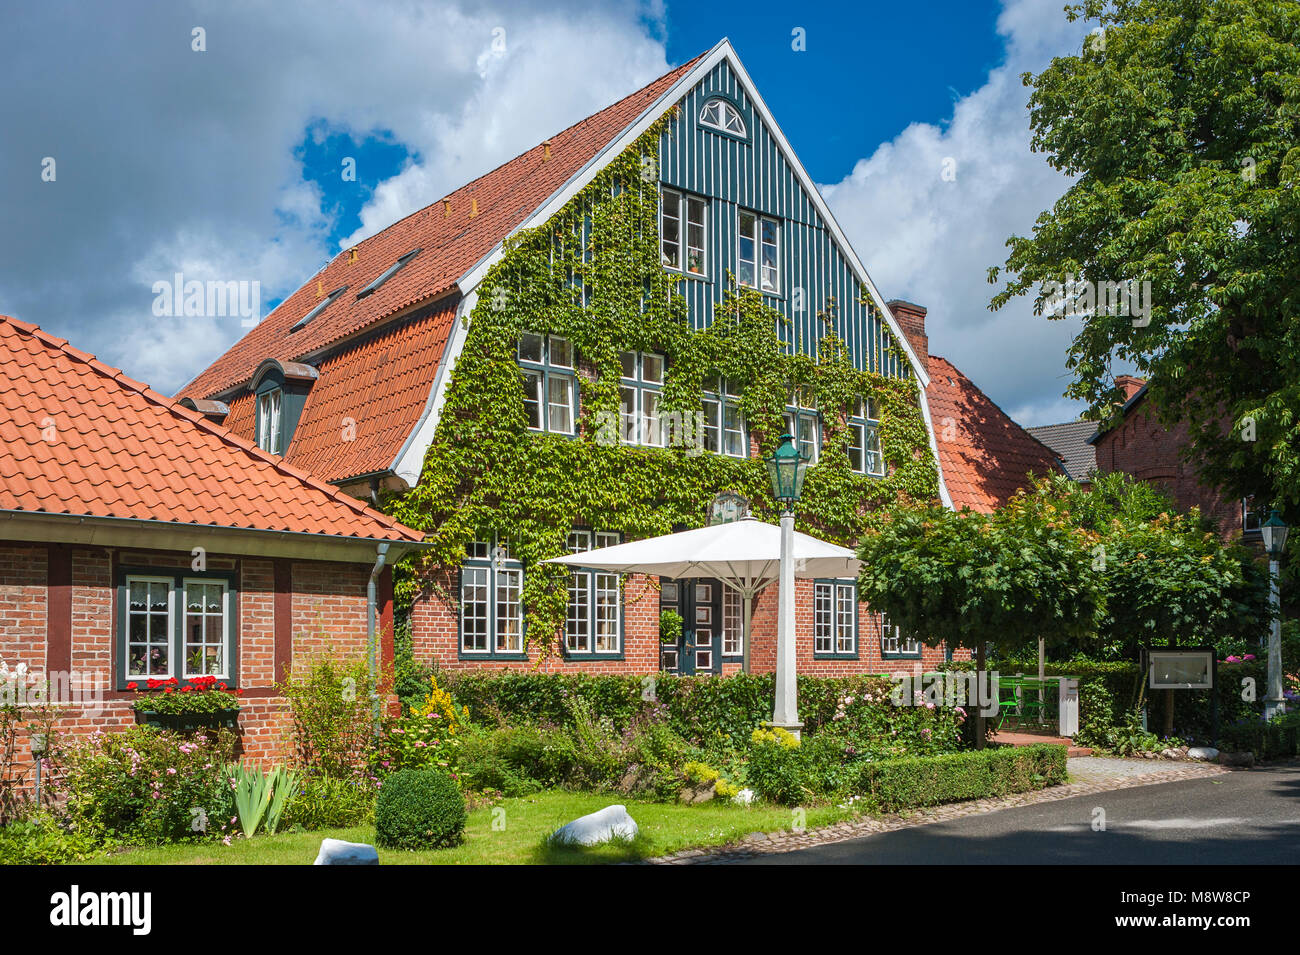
pixel 911 319
pixel 1130 385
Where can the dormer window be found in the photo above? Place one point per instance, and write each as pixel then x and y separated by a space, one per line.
pixel 270 420
pixel 388 274
pixel 719 114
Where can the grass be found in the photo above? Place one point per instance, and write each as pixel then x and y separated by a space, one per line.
pixel 519 836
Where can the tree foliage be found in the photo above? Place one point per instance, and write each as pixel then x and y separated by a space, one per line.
pixel 1179 123
pixel 967 578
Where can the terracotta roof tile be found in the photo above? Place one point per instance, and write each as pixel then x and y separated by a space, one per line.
pixel 985 456
pixel 121 450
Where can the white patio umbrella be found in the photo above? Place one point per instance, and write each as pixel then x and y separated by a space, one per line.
pixel 744 555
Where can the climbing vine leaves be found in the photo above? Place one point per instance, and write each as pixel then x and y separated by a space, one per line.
pixel 593 275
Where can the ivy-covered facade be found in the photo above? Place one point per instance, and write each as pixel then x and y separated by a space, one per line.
pixel 637 339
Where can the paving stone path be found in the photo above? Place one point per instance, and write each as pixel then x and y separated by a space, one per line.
pixel 1088 774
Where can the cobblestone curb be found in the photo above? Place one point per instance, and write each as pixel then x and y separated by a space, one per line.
pixel 761 843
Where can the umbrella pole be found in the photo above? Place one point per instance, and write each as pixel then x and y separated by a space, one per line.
pixel 748 609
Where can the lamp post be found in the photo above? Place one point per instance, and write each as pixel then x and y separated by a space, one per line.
pixel 786 468
pixel 1274 532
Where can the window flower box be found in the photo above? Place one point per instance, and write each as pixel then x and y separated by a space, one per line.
pixel 200 704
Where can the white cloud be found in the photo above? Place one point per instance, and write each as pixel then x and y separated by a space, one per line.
pixel 930 238
pixel 174 160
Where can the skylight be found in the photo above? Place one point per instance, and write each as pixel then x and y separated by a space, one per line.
pixel 720 114
pixel 388 274
pixel 320 307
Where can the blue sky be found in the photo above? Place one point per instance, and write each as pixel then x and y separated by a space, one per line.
pixel 224 163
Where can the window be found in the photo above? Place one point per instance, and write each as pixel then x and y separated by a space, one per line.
pixel 491 604
pixel 270 421
pixel 758 253
pixel 865 455
pixel 733 623
pixel 639 396
pixel 683 221
pixel 724 425
pixel 835 618
pixel 550 391
pixel 388 273
pixel 319 307
pixel 803 422
pixel 893 643
pixel 175 624
pixel 719 114
pixel 1251 516
pixel 593 622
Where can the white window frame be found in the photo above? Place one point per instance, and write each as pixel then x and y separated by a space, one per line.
pixel 760 244
pixel 896 645
pixel 726 111
pixel 595 608
pixel 270 419
pixel 127 642
pixel 497 562
pixel 733 623
pixel 227 615
pixel 717 400
pixel 686 220
pixel 864 438
pixel 637 425
pixel 801 411
pixel 548 372
pixel 835 618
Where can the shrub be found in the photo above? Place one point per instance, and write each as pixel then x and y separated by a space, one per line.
pixel 1267 740
pixel 778 767
pixel 899 784
pixel 515 760
pixel 325 803
pixel 419 809
pixel 43 839
pixel 416 741
pixel 332 722
pixel 149 785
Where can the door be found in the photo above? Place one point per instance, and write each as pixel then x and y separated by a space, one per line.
pixel 699 602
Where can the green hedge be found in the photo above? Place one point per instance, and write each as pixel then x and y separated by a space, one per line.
pixel 898 784
pixel 702 709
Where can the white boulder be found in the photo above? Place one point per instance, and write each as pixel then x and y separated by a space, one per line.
pixel 338 852
pixel 744 797
pixel 612 822
pixel 1202 752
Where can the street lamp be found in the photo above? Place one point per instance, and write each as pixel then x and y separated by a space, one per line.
pixel 786 468
pixel 1274 532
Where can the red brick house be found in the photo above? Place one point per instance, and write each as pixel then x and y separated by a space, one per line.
pixel 140 540
pixel 348 378
pixel 1140 446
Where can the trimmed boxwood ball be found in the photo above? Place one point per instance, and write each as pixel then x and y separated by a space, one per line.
pixel 419 809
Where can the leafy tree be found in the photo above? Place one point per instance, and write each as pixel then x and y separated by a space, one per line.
pixel 1179 124
pixel 970 579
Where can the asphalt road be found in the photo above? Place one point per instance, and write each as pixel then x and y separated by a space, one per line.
pixel 1249 817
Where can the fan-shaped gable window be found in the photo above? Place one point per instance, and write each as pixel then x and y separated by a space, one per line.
pixel 719 114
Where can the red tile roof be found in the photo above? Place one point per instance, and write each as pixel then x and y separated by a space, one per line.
pixel 985 456
pixel 78 437
pixel 453 233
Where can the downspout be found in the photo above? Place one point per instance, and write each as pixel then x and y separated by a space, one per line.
pixel 372 638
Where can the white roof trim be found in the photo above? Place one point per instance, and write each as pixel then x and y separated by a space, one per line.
pixel 723 51
pixel 410 459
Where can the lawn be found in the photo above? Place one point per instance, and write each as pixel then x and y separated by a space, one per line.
pixel 512 831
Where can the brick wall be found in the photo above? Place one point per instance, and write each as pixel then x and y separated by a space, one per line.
pixel 328 616
pixel 1141 447
pixel 435 636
